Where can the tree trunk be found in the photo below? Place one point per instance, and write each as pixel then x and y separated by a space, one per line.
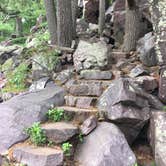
pixel 51 20
pixel 132 26
pixel 159 26
pixel 19 26
pixel 74 16
pixel 101 16
pixel 64 23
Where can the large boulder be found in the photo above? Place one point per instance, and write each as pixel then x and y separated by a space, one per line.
pixel 22 111
pixel 146 50
pixel 105 146
pixel 128 106
pixel 158 137
pixel 91 55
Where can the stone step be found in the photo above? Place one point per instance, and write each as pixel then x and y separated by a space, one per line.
pixel 60 132
pixel 103 83
pixel 96 75
pixel 80 102
pixel 117 55
pixel 78 115
pixel 90 89
pixel 38 156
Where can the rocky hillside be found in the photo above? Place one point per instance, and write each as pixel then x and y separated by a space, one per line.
pixel 88 105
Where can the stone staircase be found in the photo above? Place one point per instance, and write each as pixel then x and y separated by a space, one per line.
pixel 80 104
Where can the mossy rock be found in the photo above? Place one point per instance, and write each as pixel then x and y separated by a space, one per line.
pixel 7 66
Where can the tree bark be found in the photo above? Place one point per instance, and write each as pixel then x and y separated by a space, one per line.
pixel 19 26
pixel 132 26
pixel 64 23
pixel 101 16
pixel 51 20
pixel 74 16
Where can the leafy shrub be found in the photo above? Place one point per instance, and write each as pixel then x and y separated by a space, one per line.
pixel 19 40
pixel 36 134
pixel 5 29
pixel 55 114
pixel 81 137
pixel 17 79
pixel 66 147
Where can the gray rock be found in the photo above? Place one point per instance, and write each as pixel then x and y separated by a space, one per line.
pixel 39 85
pixel 89 125
pixel 80 102
pixel 96 75
pixel 146 50
pixel 38 156
pixel 158 137
pixel 8 52
pixel 0 160
pixel 138 71
pixel 64 76
pixel 120 90
pixel 22 111
pixel 86 89
pixel 43 64
pixel 148 83
pixel 121 103
pixel 105 146
pixel 91 55
pixel 59 132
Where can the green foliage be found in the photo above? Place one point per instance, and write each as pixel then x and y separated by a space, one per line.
pixel 55 114
pixel 5 30
pixel 17 79
pixel 36 134
pixel 81 138
pixel 164 108
pixel 42 37
pixel 28 10
pixel 135 164
pixel 19 40
pixel 66 147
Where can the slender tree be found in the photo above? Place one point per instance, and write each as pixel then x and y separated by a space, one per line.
pixel 74 16
pixel 19 26
pixel 51 19
pixel 64 23
pixel 101 16
pixel 132 26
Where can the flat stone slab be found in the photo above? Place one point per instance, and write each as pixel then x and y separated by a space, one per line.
pixel 158 137
pixel 22 111
pixel 96 75
pixel 78 115
pixel 86 90
pixel 60 132
pixel 105 146
pixel 38 156
pixel 80 102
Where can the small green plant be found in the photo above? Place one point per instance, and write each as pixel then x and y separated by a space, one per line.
pixel 55 114
pixel 164 108
pixel 66 147
pixel 36 134
pixel 135 164
pixel 81 138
